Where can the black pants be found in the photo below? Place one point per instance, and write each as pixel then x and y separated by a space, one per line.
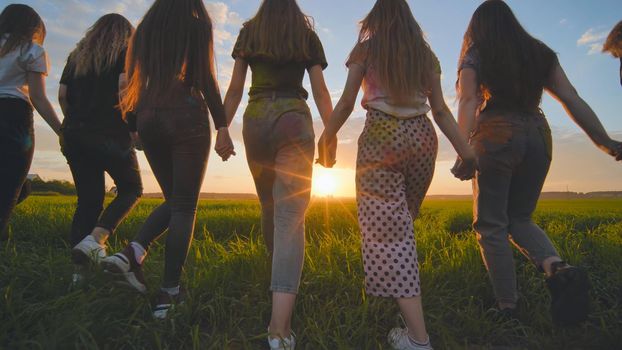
pixel 17 145
pixel 176 142
pixel 91 154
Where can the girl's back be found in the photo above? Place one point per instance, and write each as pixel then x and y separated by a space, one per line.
pixel 279 60
pixel 27 57
pixel 92 74
pixel 397 61
pixel 94 97
pixel 171 60
pixel 378 96
pixel 512 67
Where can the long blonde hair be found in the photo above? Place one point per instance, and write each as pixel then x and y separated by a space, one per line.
pixel 280 31
pixel 102 46
pixel 394 45
pixel 174 42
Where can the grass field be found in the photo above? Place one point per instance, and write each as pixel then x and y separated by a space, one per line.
pixel 227 278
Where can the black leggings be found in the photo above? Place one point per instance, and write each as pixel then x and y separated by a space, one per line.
pixel 17 145
pixel 90 155
pixel 176 143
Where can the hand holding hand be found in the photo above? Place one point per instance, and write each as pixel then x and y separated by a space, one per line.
pixel 224 144
pixel 612 148
pixel 464 169
pixel 327 149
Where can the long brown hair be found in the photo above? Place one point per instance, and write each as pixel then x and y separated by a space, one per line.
pixel 23 26
pixel 394 45
pixel 280 31
pixel 613 44
pixel 102 46
pixel 513 66
pixel 174 42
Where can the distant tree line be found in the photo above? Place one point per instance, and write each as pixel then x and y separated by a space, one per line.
pixel 38 186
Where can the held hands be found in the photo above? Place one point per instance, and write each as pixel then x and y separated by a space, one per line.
pixel 224 144
pixel 327 149
pixel 464 169
pixel 614 149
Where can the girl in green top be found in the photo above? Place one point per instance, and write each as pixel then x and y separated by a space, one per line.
pixel 279 138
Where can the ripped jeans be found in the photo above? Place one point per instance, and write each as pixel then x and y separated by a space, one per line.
pixel 514 151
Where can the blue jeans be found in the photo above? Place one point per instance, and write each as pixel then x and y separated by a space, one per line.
pixel 514 151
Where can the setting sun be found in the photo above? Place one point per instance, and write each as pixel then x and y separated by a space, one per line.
pixel 325 182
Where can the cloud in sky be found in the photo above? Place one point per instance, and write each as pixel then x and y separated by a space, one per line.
pixel 593 39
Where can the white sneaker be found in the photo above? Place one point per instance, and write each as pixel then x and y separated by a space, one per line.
pixel 88 250
pixel 166 303
pixel 399 340
pixel 124 264
pixel 288 343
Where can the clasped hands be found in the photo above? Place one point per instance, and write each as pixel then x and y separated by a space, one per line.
pixel 224 145
pixel 327 149
pixel 465 169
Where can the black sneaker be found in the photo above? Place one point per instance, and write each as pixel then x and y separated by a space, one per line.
pixel 124 264
pixel 569 287
pixel 166 302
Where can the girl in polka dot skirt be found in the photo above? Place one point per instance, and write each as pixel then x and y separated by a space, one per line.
pixel 397 151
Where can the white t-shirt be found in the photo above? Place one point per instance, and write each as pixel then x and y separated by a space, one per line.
pixel 14 66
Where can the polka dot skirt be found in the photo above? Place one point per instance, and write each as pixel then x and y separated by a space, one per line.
pixel 395 165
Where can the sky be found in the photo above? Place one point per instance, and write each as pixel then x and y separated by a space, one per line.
pixel 574 29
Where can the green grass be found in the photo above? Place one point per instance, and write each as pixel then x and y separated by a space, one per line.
pixel 227 278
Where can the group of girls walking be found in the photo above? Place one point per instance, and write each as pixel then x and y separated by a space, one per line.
pixel 152 88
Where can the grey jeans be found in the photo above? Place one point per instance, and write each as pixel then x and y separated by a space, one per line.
pixel 514 151
pixel 280 146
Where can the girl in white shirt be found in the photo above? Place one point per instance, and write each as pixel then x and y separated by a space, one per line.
pixel 23 68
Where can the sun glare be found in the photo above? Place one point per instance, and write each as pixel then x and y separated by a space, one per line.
pixel 324 183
